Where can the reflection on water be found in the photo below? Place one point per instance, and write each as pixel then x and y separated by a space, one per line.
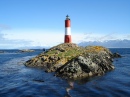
pixel 71 86
pixel 71 83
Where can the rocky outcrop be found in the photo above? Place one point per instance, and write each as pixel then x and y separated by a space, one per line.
pixel 68 60
pixel 86 66
pixel 116 55
pixel 54 58
pixel 26 50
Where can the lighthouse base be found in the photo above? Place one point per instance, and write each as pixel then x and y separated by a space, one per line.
pixel 67 39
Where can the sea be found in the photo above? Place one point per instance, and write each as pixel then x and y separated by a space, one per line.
pixel 17 80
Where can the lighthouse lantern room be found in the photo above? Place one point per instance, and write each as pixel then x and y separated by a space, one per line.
pixel 67 30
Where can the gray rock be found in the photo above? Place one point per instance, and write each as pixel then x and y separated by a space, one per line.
pixel 70 61
pixel 86 66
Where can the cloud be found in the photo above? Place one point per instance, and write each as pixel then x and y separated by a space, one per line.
pixel 10 43
pixel 17 38
pixel 107 37
pixel 127 36
pixel 104 37
pixel 4 27
pixel 41 37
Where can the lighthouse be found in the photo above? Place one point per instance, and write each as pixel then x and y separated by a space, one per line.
pixel 67 30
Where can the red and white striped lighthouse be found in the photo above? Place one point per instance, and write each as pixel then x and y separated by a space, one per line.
pixel 67 30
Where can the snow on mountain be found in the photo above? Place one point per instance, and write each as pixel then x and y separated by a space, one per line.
pixel 109 43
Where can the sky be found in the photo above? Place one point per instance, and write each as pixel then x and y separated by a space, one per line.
pixel 25 23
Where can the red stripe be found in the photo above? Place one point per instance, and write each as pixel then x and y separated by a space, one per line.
pixel 67 23
pixel 67 39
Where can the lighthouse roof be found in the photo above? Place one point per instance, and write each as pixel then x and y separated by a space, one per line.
pixel 67 17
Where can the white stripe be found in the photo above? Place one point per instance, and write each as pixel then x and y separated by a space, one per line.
pixel 67 31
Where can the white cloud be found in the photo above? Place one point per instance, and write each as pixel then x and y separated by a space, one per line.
pixel 41 37
pixel 21 38
pixel 10 43
pixel 105 37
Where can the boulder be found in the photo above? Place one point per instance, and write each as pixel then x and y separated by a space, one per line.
pixel 116 55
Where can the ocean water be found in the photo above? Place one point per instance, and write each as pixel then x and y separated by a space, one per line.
pixel 16 80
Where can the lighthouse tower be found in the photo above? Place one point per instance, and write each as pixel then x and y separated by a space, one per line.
pixel 67 30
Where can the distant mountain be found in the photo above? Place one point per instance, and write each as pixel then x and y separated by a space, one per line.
pixel 109 43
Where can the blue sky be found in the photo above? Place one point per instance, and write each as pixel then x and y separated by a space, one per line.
pixel 37 22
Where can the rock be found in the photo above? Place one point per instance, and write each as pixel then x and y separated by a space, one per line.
pixel 51 58
pixel 26 50
pixel 44 49
pixel 68 60
pixel 116 55
pixel 84 67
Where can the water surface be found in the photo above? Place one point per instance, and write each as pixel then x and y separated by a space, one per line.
pixel 16 80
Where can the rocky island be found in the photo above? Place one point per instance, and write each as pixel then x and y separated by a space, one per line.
pixel 69 60
pixel 26 50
